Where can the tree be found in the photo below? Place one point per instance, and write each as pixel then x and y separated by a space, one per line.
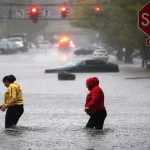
pixel 117 22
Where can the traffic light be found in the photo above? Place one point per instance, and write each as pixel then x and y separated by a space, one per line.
pixel 34 14
pixel 97 8
pixel 64 11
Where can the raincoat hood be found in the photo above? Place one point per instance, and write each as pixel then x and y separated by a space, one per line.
pixel 92 82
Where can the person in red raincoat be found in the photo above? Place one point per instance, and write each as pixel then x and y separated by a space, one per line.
pixel 94 105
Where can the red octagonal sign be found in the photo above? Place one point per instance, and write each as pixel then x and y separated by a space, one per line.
pixel 144 19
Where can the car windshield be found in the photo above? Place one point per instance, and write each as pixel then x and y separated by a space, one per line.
pixel 71 63
pixel 100 47
pixel 3 45
pixel 15 39
pixel 4 40
pixel 100 51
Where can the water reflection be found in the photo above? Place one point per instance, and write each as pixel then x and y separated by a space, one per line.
pixel 22 129
pixel 95 137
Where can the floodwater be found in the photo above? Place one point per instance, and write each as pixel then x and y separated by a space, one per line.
pixel 54 116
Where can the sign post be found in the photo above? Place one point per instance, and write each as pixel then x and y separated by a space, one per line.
pixel 148 42
pixel 144 21
pixel 20 13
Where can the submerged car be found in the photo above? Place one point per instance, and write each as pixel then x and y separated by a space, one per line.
pixel 83 51
pixel 88 65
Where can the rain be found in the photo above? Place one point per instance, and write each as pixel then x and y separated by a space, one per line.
pixel 54 116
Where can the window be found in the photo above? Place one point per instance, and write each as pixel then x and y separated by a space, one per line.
pixel 15 40
pixel 95 62
pixel 3 46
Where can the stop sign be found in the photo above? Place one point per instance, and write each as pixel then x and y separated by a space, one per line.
pixel 144 19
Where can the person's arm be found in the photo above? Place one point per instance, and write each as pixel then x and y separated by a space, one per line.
pixel 12 97
pixel 95 99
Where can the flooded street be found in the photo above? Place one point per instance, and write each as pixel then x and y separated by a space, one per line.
pixel 54 116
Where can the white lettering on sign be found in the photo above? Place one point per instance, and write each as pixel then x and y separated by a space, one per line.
pixel 145 17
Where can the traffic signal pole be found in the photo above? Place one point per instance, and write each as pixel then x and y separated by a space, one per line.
pixel 64 11
pixel 34 13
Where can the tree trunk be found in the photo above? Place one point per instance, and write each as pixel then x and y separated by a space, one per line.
pixel 119 53
pixel 128 56
pixel 147 58
pixel 143 57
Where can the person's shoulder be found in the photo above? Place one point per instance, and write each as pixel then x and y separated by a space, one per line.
pixel 96 89
pixel 17 85
pixel 14 85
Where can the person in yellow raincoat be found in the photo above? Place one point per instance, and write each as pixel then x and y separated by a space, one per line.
pixel 13 102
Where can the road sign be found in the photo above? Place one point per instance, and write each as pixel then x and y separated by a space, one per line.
pixel 46 13
pixel 20 13
pixel 144 19
pixel 148 42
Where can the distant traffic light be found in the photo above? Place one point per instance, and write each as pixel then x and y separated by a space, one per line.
pixel 97 8
pixel 64 11
pixel 34 13
pixel 34 10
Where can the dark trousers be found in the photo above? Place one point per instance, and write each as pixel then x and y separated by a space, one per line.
pixel 97 120
pixel 12 115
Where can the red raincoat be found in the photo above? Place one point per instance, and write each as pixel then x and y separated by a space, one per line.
pixel 95 98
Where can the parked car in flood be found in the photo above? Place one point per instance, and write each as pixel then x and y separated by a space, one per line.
pixel 45 44
pixel 8 47
pixel 87 65
pixel 100 54
pixel 18 41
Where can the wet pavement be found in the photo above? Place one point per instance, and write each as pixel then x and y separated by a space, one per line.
pixel 54 117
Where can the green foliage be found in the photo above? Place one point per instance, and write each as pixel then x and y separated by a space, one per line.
pixel 117 20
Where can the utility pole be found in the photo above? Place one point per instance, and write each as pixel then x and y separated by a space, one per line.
pixel 10 17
